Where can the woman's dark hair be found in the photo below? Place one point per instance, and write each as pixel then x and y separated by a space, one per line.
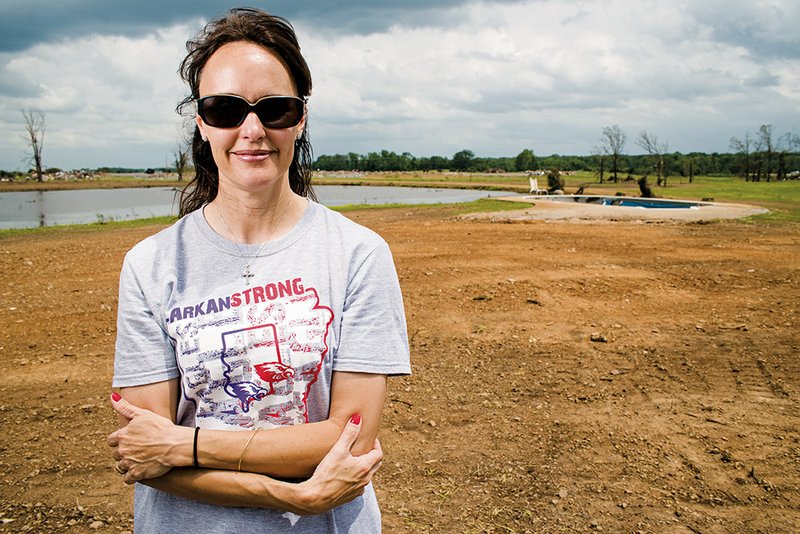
pixel 273 33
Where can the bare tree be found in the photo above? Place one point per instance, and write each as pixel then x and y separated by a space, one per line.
pixel 766 148
pixel 35 128
pixel 613 141
pixel 600 156
pixel 658 153
pixel 783 148
pixel 181 160
pixel 690 168
pixel 743 148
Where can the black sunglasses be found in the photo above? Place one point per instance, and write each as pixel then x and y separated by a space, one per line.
pixel 229 111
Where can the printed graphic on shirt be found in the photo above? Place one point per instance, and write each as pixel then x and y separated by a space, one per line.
pixel 253 356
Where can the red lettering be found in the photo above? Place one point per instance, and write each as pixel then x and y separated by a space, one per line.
pixel 272 291
pixel 258 295
pixel 297 286
pixel 236 300
pixel 246 294
pixel 285 288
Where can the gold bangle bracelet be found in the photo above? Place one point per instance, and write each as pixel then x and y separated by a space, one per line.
pixel 241 456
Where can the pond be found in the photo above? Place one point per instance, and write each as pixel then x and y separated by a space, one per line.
pixel 51 208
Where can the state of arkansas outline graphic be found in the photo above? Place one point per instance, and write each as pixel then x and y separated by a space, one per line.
pixel 251 358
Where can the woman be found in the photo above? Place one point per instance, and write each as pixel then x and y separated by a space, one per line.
pixel 258 310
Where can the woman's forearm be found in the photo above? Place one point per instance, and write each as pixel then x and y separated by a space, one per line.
pixel 285 452
pixel 226 488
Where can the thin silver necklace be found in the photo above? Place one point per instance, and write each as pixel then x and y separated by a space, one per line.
pixel 247 274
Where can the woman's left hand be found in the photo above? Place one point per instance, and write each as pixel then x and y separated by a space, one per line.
pixel 146 446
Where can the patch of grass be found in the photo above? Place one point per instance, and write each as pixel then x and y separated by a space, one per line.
pixel 361 207
pixel 781 198
pixel 485 205
pixel 476 206
pixel 102 182
pixel 100 225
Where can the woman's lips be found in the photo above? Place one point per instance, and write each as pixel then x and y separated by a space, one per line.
pixel 252 155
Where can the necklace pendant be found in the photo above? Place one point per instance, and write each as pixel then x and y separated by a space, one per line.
pixel 247 275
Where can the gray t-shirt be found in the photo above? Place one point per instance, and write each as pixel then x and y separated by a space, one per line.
pixel 257 351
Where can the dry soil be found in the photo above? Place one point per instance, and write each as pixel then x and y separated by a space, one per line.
pixel 616 377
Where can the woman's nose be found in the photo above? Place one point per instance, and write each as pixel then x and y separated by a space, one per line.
pixel 252 128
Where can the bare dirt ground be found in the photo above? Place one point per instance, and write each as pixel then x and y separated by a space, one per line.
pixel 616 377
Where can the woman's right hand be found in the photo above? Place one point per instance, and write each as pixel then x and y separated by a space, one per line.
pixel 340 477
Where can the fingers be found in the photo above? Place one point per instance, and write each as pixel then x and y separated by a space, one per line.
pixel 113 440
pixel 349 434
pixel 373 457
pixel 121 468
pixel 125 408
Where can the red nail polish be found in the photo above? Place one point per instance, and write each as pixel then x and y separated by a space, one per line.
pixel 116 396
pixel 356 419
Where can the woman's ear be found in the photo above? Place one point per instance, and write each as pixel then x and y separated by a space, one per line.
pixel 301 127
pixel 201 127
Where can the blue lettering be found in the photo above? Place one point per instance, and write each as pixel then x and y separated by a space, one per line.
pixel 175 315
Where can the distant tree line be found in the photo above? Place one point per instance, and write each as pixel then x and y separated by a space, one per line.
pixel 762 156
pixel 659 163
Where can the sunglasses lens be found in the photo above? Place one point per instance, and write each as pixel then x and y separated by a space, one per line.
pixel 280 111
pixel 223 111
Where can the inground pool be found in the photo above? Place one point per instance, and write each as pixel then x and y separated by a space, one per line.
pixel 631 202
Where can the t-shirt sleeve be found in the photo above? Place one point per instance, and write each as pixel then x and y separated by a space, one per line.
pixel 373 335
pixel 144 353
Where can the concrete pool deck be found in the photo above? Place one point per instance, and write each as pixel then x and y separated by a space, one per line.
pixel 545 208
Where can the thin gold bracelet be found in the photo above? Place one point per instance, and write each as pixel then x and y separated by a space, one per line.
pixel 241 456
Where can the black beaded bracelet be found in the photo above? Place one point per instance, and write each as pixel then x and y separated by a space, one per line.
pixel 194 446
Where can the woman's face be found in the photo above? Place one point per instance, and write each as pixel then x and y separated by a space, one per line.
pixel 250 157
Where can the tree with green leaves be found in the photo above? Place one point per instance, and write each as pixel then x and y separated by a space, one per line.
pixel 462 160
pixel 525 160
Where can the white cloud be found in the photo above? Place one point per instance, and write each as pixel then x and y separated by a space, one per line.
pixel 495 78
pixel 538 73
pixel 99 93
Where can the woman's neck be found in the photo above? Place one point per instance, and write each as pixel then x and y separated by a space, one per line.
pixel 254 219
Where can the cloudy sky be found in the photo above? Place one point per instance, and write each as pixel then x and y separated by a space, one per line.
pixel 430 77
